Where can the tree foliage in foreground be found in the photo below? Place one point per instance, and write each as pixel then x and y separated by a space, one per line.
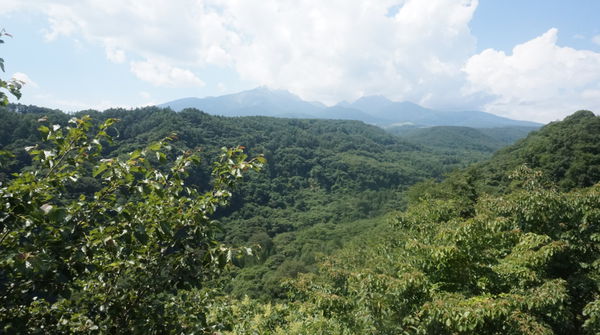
pixel 137 256
pixel 524 263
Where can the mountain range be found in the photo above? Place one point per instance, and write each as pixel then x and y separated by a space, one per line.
pixel 377 110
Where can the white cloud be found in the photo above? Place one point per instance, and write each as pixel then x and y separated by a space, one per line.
pixel 74 105
pixel 22 77
pixel 340 50
pixel 71 104
pixel 115 55
pixel 596 39
pixel 416 50
pixel 63 21
pixel 145 95
pixel 539 81
pixel 9 6
pixel 162 74
pixel 328 51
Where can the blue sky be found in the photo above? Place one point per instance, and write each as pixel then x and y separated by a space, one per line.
pixel 446 54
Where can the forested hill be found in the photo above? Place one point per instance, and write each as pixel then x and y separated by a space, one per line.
pixel 567 152
pixel 333 154
pixel 319 174
pixel 507 246
pixel 463 259
pixel 485 140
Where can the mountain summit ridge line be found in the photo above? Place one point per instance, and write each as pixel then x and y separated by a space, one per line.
pixel 375 109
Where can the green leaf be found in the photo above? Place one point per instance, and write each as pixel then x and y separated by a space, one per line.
pixel 155 146
pixel 44 130
pixel 99 169
pixel 161 157
pixel 136 154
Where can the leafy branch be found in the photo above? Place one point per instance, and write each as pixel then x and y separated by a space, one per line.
pixel 13 86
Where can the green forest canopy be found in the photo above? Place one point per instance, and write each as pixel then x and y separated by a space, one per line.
pixel 319 175
pixel 468 256
pixel 497 248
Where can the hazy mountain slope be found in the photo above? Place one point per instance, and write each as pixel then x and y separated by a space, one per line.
pixel 453 138
pixel 508 135
pixel 463 138
pixel 407 112
pixel 259 101
pixel 346 113
pixel 371 109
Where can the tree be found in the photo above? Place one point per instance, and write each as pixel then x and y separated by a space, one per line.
pixel 138 256
pixel 13 86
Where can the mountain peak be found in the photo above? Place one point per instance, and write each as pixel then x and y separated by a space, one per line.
pixel 267 93
pixel 261 100
pixel 372 102
pixel 580 115
pixel 374 99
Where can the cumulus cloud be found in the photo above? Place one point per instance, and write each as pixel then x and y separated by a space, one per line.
pixel 339 50
pixel 177 32
pixel 115 55
pixel 145 95
pixel 22 77
pixel 421 51
pixel 327 51
pixel 538 81
pixel 162 74
pixel 74 105
pixel 596 39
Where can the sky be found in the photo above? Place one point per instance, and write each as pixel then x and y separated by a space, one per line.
pixel 536 60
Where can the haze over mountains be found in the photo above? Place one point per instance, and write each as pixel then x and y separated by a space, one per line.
pixel 376 110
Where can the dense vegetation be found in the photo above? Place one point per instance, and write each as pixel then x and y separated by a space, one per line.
pixel 507 246
pixel 524 263
pixel 109 227
pixel 567 152
pixel 321 176
pixel 463 139
pixel 524 259
pixel 97 263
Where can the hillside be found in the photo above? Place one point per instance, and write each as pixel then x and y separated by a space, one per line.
pixel 566 152
pixel 493 248
pixel 464 138
pixel 462 261
pixel 319 174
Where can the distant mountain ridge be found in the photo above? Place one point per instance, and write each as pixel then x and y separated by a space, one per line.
pixel 376 110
